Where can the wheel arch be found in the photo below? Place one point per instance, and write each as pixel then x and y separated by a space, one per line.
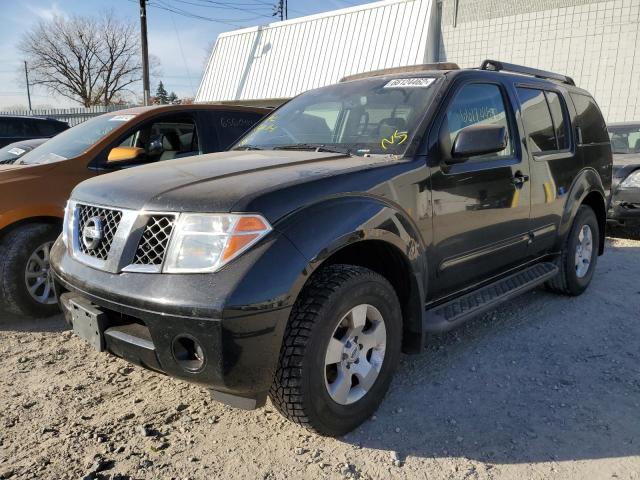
pixel 587 189
pixel 44 219
pixel 371 233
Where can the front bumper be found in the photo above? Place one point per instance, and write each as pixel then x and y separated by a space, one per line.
pixel 625 206
pixel 144 315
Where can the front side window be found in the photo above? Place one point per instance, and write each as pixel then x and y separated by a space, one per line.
pixel 477 104
pixel 164 139
pixel 544 120
pixel 373 116
pixel 625 138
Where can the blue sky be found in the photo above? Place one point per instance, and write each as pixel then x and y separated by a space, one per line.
pixel 181 43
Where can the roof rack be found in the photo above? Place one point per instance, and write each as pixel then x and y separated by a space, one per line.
pixel 408 69
pixel 497 66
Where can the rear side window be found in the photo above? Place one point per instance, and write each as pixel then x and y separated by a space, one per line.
pixel 46 129
pixel 544 120
pixel 590 119
pixel 559 119
pixel 232 125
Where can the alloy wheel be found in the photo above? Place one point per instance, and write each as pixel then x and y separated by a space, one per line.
pixel 355 354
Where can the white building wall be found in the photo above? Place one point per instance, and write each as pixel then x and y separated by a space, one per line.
pixel 595 42
pixel 283 59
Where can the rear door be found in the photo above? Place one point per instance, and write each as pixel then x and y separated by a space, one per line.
pixel 546 118
pixel 480 207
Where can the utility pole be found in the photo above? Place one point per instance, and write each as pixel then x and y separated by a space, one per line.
pixel 26 76
pixel 286 9
pixel 145 51
pixel 280 9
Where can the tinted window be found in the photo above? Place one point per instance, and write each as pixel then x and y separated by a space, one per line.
pixel 232 125
pixel 476 104
pixel 46 129
pixel 559 119
pixel 590 119
pixel 537 120
pixel 15 127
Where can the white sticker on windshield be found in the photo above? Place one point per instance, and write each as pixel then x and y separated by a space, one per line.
pixel 16 151
pixel 121 118
pixel 418 82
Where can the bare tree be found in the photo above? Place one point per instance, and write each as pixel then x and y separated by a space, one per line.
pixel 86 60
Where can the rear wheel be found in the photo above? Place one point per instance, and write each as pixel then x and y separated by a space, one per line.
pixel 341 347
pixel 26 284
pixel 579 255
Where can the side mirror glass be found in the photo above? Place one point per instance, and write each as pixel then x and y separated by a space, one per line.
pixel 124 154
pixel 478 140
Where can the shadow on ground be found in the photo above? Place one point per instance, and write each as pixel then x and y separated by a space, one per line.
pixel 544 377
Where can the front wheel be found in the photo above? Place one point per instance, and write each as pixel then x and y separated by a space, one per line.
pixel 26 284
pixel 341 347
pixel 579 255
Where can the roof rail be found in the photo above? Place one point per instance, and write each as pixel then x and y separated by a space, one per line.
pixel 408 69
pixel 497 66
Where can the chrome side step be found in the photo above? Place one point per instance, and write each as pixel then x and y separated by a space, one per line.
pixel 454 312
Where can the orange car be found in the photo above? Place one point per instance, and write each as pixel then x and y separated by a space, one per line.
pixel 34 190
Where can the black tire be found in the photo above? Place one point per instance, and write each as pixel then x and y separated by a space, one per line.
pixel 16 247
pixel 567 281
pixel 299 391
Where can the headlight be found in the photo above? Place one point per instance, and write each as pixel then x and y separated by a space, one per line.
pixel 67 223
pixel 207 242
pixel 632 181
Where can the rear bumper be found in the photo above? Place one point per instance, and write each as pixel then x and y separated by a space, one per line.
pixel 625 206
pixel 239 351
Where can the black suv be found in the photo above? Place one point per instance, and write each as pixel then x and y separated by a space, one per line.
pixel 338 232
pixel 15 128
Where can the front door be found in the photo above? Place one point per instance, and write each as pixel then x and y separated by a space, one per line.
pixel 481 206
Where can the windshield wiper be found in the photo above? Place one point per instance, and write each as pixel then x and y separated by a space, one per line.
pixel 314 147
pixel 248 147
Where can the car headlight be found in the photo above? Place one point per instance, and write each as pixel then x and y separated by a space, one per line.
pixel 206 242
pixel 67 223
pixel 632 181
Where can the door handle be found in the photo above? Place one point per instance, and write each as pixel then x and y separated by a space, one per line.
pixel 519 179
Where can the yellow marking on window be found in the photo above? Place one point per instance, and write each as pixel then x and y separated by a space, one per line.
pixel 398 138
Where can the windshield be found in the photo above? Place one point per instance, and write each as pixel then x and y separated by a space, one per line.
pixel 75 141
pixel 378 116
pixel 625 139
pixel 11 152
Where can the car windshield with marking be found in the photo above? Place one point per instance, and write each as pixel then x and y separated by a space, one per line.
pixel 374 116
pixel 625 138
pixel 75 141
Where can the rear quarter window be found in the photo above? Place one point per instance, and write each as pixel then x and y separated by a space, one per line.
pixel 590 120
pixel 232 125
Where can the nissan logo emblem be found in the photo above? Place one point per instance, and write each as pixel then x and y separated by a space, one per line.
pixel 92 233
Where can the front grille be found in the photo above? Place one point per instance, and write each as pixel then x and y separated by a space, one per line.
pixel 154 241
pixel 110 220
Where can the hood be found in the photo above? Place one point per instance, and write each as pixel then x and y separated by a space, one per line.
pixel 624 164
pixel 218 182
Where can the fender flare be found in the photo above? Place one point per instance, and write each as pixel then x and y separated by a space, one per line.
pixel 585 183
pixel 323 229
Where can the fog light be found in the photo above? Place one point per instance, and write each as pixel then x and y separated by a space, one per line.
pixel 188 353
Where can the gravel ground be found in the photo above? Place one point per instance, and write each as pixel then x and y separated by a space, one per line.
pixel 544 387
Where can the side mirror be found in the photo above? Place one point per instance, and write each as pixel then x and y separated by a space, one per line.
pixel 124 154
pixel 478 140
